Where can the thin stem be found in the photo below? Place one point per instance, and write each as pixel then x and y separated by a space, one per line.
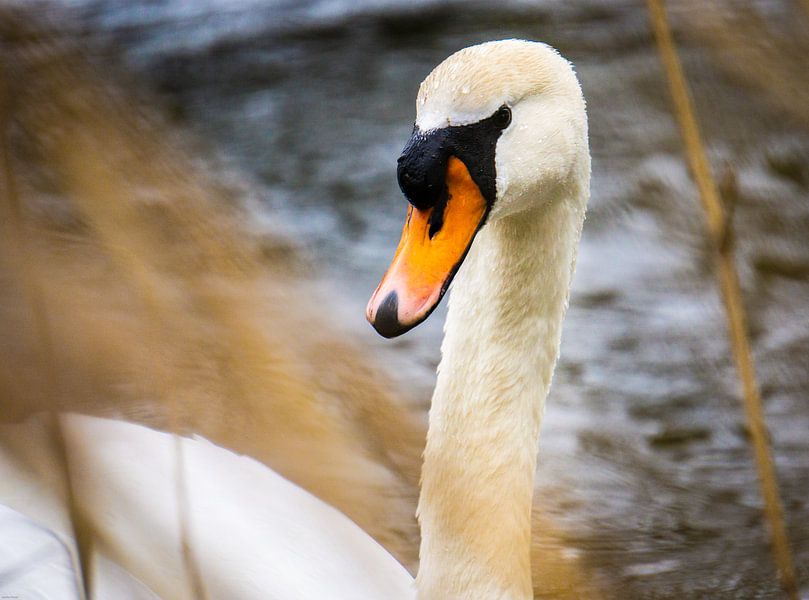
pixel 719 232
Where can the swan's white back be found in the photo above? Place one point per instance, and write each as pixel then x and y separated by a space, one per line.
pixel 253 534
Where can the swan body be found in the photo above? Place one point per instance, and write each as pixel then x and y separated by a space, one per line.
pixel 251 533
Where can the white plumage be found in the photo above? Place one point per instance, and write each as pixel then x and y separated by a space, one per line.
pixel 252 533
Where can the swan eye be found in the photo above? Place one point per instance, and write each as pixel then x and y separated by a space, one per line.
pixel 502 118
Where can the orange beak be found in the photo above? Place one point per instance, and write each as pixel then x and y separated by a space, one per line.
pixel 425 264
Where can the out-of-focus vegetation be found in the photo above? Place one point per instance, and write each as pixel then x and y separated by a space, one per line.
pixel 134 287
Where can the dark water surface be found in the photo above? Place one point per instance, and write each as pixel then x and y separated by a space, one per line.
pixel 644 459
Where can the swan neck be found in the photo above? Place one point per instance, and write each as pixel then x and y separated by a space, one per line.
pixel 500 347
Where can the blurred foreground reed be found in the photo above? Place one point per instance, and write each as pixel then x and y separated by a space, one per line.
pixel 140 292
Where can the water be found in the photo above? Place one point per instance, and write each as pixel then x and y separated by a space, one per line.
pixel 644 457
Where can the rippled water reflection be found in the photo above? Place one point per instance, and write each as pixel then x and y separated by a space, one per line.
pixel 644 460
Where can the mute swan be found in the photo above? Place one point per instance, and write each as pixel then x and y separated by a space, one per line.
pixel 497 174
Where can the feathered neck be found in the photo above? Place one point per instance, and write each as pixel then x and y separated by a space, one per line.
pixel 501 344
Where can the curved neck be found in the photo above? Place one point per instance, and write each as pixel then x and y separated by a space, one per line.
pixel 499 351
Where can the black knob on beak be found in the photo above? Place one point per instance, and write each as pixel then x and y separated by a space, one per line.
pixel 422 168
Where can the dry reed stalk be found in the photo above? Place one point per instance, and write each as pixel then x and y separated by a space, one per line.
pixel 17 248
pixel 196 279
pixel 81 527
pixel 719 232
pixel 107 217
pixel 190 564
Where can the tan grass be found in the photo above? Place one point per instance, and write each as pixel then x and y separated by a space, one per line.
pixel 161 310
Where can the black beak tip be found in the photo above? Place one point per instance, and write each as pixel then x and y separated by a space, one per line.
pixel 386 321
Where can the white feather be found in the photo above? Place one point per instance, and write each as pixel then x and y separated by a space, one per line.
pixel 253 534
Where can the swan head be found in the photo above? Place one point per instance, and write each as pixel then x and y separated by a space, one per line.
pixel 500 129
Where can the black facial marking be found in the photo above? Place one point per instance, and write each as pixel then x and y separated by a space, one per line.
pixel 423 163
pixel 437 216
